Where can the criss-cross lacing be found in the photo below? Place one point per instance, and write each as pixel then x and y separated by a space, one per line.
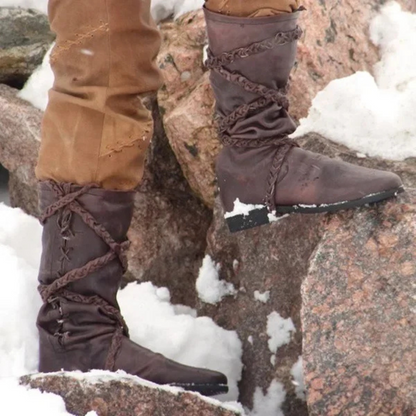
pixel 266 96
pixel 66 205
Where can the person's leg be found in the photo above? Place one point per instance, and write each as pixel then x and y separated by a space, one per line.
pixel 250 60
pixel 95 128
pixel 95 134
pixel 253 8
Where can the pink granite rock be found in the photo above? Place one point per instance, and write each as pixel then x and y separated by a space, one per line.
pixel 19 147
pixel 123 396
pixel 359 314
pixel 276 259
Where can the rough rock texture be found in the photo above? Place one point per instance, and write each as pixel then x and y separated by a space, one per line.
pixel 170 223
pixel 123 396
pixel 188 102
pixel 24 39
pixel 276 258
pixel 359 306
pixel 335 44
pixel 19 146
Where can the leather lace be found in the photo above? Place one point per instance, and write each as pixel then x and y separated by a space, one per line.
pixel 265 95
pixel 66 205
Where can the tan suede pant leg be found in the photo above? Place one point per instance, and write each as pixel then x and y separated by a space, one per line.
pixel 95 129
pixel 252 8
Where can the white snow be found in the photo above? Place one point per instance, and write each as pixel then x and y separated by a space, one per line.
pixel 18 400
pixel 279 331
pixel 275 218
pixel 269 404
pixel 242 209
pixel 209 287
pixel 154 322
pixel 36 88
pixel 374 115
pixel 161 9
pixel 298 379
pixel 262 297
pixel 19 299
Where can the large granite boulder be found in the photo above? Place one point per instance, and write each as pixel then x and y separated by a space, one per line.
pixel 267 267
pixel 335 44
pixel 19 147
pixel 168 232
pixel 359 313
pixel 25 37
pixel 123 395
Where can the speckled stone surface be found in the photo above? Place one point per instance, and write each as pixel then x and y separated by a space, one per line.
pixel 123 397
pixel 25 37
pixel 273 259
pixel 359 313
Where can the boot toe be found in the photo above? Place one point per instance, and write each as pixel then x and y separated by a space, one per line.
pixel 392 181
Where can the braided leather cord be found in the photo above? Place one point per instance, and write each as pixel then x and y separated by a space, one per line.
pixel 266 97
pixel 67 204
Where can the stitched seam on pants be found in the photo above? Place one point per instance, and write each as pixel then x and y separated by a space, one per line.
pixel 106 92
pixel 69 44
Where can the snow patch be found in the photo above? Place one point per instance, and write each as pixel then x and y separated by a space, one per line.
pixel 162 9
pixel 374 115
pixel 262 297
pixel 209 286
pixel 157 325
pixel 269 404
pixel 298 379
pixel 274 218
pixel 20 237
pixel 279 330
pixel 36 88
pixel 242 209
pixel 22 401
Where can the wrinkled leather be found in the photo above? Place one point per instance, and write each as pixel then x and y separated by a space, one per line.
pixel 85 330
pixel 271 69
pixel 243 173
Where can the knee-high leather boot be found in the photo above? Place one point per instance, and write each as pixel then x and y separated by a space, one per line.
pixel 80 324
pixel 250 61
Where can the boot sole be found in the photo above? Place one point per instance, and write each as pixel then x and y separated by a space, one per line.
pixel 262 216
pixel 204 389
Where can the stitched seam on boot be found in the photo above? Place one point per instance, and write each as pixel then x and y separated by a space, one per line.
pixel 80 38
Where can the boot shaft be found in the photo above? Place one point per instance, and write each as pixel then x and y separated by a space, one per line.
pixel 251 60
pixel 69 243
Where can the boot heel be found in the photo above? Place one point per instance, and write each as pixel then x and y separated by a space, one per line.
pixel 254 218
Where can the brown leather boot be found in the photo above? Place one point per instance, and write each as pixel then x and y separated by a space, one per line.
pixel 261 172
pixel 80 325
